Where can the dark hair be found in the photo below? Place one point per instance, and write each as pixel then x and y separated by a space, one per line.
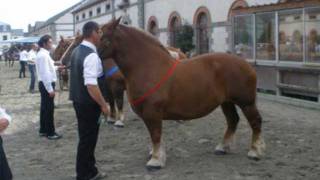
pixel 89 28
pixel 44 40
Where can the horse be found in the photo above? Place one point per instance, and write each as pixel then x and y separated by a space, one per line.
pixel 11 55
pixel 115 84
pixel 161 89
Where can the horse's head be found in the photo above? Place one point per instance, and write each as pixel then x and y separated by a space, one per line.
pixel 61 48
pixel 107 45
pixel 65 48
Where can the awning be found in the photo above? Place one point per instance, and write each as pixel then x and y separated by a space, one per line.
pixel 23 40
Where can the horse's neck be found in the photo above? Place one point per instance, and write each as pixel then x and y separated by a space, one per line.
pixel 139 61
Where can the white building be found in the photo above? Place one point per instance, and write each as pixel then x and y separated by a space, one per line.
pixel 56 26
pixel 5 34
pixel 281 38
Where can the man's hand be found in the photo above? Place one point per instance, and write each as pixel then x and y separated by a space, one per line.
pixel 61 67
pixel 4 123
pixel 105 109
pixel 52 94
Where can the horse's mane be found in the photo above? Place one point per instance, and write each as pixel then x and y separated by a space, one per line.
pixel 145 35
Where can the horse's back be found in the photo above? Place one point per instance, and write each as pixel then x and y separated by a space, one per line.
pixel 231 77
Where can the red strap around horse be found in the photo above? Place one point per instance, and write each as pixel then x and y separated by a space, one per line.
pixel 156 87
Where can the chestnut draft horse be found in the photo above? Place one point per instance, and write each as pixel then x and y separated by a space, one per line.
pixel 161 89
pixel 115 84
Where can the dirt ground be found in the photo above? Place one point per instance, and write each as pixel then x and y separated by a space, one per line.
pixel 292 135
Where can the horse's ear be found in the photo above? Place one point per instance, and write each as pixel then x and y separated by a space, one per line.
pixel 61 38
pixel 116 22
pixel 78 33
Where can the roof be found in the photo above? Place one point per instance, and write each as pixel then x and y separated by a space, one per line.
pixel 57 16
pixel 86 4
pixel 280 5
pixel 17 32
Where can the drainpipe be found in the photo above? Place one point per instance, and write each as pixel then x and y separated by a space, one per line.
pixel 141 14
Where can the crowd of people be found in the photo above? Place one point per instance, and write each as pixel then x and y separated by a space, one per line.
pixel 85 77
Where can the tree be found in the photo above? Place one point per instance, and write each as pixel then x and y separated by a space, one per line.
pixel 185 38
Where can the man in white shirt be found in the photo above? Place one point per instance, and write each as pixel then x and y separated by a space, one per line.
pixel 88 102
pixel 32 66
pixel 23 58
pixel 46 72
pixel 5 172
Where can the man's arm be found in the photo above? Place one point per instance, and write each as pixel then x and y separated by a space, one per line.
pixel 91 67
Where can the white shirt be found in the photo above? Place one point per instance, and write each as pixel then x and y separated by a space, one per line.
pixel 92 65
pixel 32 57
pixel 46 70
pixel 24 56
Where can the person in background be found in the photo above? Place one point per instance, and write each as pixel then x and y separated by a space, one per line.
pixel 23 58
pixel 46 72
pixel 5 171
pixel 32 66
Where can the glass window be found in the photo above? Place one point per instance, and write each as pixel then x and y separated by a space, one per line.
pixel 313 34
pixel 98 10
pixel 291 35
pixel 243 36
pixel 83 16
pixel 90 13
pixel 265 39
pixel 108 7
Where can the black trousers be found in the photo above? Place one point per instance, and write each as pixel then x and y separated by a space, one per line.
pixel 88 131
pixel 5 172
pixel 22 69
pixel 46 111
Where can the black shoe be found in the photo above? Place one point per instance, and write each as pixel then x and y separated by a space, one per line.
pixel 42 134
pixel 55 136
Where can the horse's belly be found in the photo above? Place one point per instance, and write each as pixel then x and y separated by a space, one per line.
pixel 191 108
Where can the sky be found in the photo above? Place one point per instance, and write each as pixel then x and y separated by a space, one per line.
pixel 20 13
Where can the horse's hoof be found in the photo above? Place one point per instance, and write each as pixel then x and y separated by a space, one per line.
pixel 254 158
pixel 119 124
pixel 220 152
pixel 221 149
pixel 149 157
pixel 153 168
pixel 252 155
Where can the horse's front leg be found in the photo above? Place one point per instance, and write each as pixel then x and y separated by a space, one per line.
pixel 158 154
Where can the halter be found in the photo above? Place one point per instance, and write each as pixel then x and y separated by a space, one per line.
pixel 113 70
pixel 139 100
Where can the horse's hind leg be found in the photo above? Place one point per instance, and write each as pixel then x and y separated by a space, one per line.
pixel 232 118
pixel 254 118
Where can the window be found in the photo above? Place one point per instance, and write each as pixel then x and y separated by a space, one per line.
pixel 265 39
pixel 291 36
pixel 243 36
pixel 83 15
pixel 313 35
pixel 90 13
pixel 77 18
pixel 98 10
pixel 108 7
pixel 5 37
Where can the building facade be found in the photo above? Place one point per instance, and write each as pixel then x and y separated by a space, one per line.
pixel 56 26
